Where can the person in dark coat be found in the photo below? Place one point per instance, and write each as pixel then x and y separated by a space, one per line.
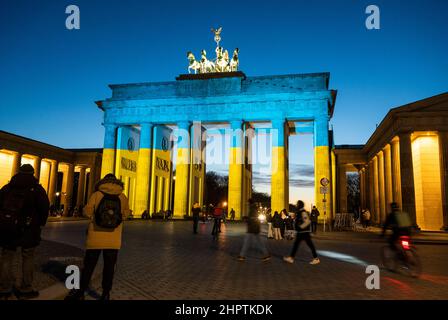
pixel 196 213
pixel 276 224
pixel 314 218
pixel 253 234
pixel 34 213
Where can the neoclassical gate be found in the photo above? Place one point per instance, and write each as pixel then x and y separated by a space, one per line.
pixel 136 143
pixel 139 118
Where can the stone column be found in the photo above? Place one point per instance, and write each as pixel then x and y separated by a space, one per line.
pixel 69 189
pixel 17 161
pixel 53 182
pixel 143 169
pixel 443 154
pixel 382 188
pixel 388 176
pixel 322 163
pixel 81 189
pixel 396 172
pixel 372 188
pixel 236 167
pixel 407 176
pixel 182 170
pixel 376 184
pixel 110 138
pixel 342 186
pixel 279 178
pixel 362 184
pixel 37 164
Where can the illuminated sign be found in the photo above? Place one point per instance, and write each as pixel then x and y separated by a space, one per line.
pixel 128 164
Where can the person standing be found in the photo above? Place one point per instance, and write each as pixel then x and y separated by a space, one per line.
pixel 107 208
pixel 314 218
pixel 24 209
pixel 276 223
pixel 253 235
pixel 303 228
pixel 232 215
pixel 366 218
pixel 196 213
pixel 217 215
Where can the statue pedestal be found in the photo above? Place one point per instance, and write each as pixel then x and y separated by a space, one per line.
pixel 211 75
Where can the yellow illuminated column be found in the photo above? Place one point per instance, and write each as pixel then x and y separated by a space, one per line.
pixel 372 188
pixel 361 187
pixel 69 189
pixel 396 174
pixel 110 137
pixel 376 183
pixel 81 183
pixel 182 170
pixel 388 176
pixel 53 182
pixel 322 164
pixel 236 168
pixel 17 161
pixel 443 153
pixel 333 185
pixel 407 176
pixel 143 169
pixel 37 164
pixel 381 186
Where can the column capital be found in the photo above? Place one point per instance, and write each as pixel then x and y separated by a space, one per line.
pixel 278 123
pixel 147 124
pixel 185 125
pixel 236 124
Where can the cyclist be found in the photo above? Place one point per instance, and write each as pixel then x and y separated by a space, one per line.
pixel 400 223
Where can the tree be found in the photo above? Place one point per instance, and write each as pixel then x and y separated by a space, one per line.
pixel 353 192
pixel 216 188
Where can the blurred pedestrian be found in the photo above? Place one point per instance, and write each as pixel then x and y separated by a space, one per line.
pixel 253 235
pixel 303 228
pixel 196 212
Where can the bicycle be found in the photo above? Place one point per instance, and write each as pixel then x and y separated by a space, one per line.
pixel 403 258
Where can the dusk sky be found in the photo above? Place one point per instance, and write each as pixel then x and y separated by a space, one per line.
pixel 51 76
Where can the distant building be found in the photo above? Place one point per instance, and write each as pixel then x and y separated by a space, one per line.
pixel 67 175
pixel 404 161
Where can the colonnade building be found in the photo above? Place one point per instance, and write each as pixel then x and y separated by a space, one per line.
pixel 404 161
pixel 67 175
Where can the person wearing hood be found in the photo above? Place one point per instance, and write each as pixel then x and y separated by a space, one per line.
pixel 107 208
pixel 24 209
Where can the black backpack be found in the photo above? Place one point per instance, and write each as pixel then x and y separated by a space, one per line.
pixel 13 219
pixel 108 214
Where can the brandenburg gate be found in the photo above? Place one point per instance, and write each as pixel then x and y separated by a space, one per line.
pixel 145 122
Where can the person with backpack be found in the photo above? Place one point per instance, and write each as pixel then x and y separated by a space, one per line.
pixel 107 208
pixel 303 228
pixel 24 209
pixel 314 218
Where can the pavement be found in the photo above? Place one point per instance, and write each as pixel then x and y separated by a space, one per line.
pixel 164 260
pixel 373 234
pixel 51 260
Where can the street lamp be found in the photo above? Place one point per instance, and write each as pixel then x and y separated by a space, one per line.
pixel 224 204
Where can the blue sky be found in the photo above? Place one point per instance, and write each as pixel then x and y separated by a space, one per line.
pixel 50 76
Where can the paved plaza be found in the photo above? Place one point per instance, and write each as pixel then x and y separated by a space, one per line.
pixel 164 260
